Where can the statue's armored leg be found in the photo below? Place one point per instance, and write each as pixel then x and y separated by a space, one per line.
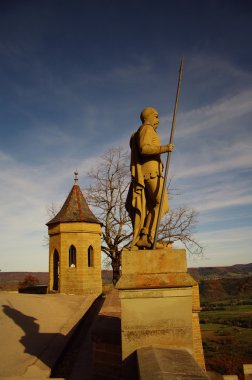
pixel 154 187
pixel 144 241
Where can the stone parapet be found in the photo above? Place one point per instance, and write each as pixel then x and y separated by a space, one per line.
pixel 106 340
pixel 167 363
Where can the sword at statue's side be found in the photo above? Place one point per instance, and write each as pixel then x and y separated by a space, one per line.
pixel 169 154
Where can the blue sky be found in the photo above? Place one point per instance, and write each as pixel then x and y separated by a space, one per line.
pixel 74 76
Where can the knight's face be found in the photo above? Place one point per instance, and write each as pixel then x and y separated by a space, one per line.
pixel 153 119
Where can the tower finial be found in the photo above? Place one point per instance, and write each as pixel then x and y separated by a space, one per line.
pixel 76 177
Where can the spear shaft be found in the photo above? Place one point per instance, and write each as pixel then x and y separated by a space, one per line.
pixel 169 154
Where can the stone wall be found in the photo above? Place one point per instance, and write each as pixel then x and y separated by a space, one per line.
pixel 197 341
pixel 106 340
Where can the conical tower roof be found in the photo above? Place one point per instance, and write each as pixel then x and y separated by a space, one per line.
pixel 75 208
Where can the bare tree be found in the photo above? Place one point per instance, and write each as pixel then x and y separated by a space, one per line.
pixel 107 194
pixel 51 211
pixel 179 225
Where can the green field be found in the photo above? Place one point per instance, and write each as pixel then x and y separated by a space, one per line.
pixel 227 338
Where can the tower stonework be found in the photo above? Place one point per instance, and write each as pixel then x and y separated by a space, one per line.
pixel 75 247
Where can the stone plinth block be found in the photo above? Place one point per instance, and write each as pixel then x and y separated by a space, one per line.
pixel 154 261
pixel 156 295
pixel 156 316
pixel 159 280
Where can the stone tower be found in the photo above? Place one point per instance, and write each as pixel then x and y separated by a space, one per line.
pixel 75 247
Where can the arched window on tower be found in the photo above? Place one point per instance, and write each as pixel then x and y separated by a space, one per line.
pixel 55 270
pixel 90 256
pixel 72 256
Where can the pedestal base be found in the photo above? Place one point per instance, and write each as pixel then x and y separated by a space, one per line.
pixel 156 317
pixel 158 301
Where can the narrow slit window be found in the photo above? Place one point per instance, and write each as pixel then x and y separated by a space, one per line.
pixel 55 270
pixel 90 256
pixel 72 256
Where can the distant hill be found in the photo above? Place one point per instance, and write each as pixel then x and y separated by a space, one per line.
pixel 10 280
pixel 215 282
pixel 226 289
pixel 214 273
pixel 206 273
pixel 224 283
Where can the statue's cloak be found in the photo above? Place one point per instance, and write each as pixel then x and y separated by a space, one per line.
pixel 136 202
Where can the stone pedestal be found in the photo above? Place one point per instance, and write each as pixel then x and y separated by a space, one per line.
pixel 159 302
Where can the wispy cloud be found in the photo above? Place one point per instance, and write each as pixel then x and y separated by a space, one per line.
pixel 217 192
pixel 236 156
pixel 231 235
pixel 222 202
pixel 213 115
pixel 142 67
pixel 224 247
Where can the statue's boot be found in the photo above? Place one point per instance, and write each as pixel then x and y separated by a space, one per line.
pixel 134 248
pixel 144 242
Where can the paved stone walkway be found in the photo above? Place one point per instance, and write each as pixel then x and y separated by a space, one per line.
pixel 34 329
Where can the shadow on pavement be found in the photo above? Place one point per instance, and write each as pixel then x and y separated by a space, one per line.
pixel 67 356
pixel 34 342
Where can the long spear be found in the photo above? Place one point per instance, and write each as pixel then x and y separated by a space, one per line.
pixel 169 154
